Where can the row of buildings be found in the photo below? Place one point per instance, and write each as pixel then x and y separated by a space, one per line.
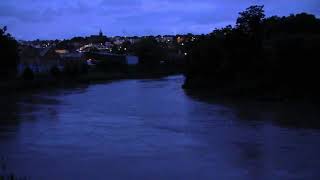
pixel 42 56
pixel 39 60
pixel 43 60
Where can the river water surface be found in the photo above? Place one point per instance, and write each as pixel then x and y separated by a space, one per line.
pixel 152 129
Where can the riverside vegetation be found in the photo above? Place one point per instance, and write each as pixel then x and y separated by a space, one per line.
pixel 260 56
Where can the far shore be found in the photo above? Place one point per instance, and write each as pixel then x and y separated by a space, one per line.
pixel 20 85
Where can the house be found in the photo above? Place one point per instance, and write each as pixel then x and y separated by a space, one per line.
pixel 98 46
pixel 61 51
pixel 115 58
pixel 91 62
pixel 73 62
pixel 133 40
pixel 74 56
pixel 168 38
pixel 49 59
pixel 29 58
pixel 39 60
pixel 118 42
pixel 108 45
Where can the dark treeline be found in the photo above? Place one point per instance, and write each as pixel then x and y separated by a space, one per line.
pixel 259 56
pixel 155 56
pixel 8 55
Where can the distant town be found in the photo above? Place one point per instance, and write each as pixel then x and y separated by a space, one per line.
pixel 41 56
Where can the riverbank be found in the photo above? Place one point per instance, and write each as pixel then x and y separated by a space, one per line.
pixel 249 92
pixel 43 82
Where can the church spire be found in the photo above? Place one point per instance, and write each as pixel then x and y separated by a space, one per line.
pixel 100 33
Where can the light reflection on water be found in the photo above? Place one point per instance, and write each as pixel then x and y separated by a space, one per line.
pixel 152 129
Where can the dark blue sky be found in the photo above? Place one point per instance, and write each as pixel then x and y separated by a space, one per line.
pixel 51 19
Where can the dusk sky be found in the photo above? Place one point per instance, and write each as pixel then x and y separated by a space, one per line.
pixel 57 19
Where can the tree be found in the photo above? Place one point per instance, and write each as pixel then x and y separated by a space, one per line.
pixel 293 24
pixel 250 23
pixel 149 51
pixel 250 20
pixel 260 56
pixel 8 55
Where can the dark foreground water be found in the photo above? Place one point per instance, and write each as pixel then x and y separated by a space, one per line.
pixel 152 129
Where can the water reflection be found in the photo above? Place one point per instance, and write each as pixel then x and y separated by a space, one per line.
pixel 268 140
pixel 31 107
pixel 286 114
pixel 9 107
pixel 151 129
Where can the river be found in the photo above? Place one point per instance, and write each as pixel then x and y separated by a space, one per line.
pixel 153 129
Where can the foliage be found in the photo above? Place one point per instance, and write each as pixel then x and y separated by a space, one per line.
pixel 251 19
pixel 8 55
pixel 274 55
pixel 150 51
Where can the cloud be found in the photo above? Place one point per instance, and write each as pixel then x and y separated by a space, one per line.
pixel 13 12
pixel 42 11
pixel 30 19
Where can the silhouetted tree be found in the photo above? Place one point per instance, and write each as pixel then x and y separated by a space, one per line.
pixel 8 55
pixel 250 20
pixel 274 55
pixel 149 51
